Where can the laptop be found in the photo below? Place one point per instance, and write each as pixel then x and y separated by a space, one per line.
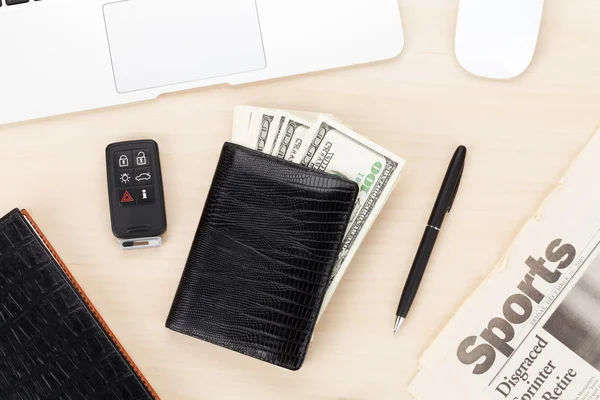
pixel 63 56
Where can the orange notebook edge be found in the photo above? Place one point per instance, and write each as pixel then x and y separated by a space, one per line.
pixel 90 305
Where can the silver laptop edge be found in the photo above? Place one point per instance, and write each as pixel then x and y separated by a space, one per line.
pixel 71 55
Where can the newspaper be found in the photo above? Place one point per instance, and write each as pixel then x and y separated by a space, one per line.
pixel 531 331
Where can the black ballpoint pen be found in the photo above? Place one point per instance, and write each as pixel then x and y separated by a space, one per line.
pixel 442 206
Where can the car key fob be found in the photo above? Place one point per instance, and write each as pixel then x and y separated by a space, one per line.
pixel 135 193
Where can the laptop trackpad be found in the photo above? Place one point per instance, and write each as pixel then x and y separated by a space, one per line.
pixel 159 43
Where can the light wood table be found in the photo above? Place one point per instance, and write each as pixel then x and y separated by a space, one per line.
pixel 521 135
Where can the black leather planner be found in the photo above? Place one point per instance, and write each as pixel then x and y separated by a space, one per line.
pixel 262 256
pixel 53 342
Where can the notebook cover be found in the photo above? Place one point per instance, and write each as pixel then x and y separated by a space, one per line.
pixel 53 342
pixel 262 256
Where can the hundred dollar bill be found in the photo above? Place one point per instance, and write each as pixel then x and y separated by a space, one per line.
pixel 282 117
pixel 260 128
pixel 241 124
pixel 293 139
pixel 260 124
pixel 252 127
pixel 274 131
pixel 338 150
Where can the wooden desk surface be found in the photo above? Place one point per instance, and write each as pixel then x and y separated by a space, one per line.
pixel 521 135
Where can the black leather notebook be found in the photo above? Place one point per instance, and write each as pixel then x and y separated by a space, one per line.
pixel 262 256
pixel 53 342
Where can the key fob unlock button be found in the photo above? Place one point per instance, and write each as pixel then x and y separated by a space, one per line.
pixel 141 158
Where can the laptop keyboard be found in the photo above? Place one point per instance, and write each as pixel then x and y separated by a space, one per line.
pixel 14 2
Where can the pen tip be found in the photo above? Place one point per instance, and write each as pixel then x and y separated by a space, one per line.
pixel 399 321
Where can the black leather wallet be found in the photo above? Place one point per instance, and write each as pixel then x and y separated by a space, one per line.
pixel 53 342
pixel 262 256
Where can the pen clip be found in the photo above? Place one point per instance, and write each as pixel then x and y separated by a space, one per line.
pixel 455 189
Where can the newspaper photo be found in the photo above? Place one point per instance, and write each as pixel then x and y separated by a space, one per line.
pixel 531 331
pixel 576 322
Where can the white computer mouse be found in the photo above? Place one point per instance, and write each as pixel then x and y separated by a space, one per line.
pixel 497 38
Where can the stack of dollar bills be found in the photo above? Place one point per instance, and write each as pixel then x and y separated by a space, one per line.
pixel 321 142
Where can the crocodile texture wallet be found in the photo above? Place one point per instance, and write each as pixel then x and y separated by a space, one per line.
pixel 53 342
pixel 262 256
